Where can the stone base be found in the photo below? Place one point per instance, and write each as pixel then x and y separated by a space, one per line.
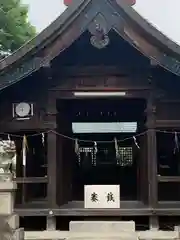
pixel 7 197
pixel 19 234
pixel 13 221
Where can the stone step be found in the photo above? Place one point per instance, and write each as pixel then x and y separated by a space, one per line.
pixel 102 226
pixel 105 237
pixel 62 235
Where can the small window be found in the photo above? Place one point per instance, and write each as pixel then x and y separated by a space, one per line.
pixel 104 127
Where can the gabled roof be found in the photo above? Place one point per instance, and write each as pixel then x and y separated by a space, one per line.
pixel 70 25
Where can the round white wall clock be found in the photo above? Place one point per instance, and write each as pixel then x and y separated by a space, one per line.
pixel 22 109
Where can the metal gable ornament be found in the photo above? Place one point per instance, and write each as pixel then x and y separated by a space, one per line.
pixel 100 40
pixel 99 29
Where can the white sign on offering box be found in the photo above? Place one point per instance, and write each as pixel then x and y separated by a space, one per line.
pixel 102 196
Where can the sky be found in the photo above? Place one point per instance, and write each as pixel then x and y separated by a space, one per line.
pixel 163 14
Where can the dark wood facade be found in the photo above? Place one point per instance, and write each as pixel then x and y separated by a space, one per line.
pixel 137 60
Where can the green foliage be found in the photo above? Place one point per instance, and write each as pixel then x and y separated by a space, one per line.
pixel 15 29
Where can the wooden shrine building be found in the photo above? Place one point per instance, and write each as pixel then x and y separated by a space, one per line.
pixel 96 96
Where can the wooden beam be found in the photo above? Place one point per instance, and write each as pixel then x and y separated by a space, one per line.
pixel 14 126
pixel 130 93
pixel 152 152
pixel 106 82
pixel 172 179
pixel 76 208
pixel 166 211
pixel 30 180
pixel 167 124
pixel 96 71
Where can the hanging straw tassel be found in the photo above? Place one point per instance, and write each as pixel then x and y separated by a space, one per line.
pixel 43 137
pixel 76 147
pixel 9 138
pixel 24 155
pixel 176 141
pixel 117 152
pixel 135 142
pixel 95 152
pixel 24 149
pixel 116 146
pixel 10 165
pixel 95 147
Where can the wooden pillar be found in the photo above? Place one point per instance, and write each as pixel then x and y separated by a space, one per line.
pixel 143 175
pixel 152 152
pixel 51 152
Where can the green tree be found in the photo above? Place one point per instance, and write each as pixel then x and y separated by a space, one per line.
pixel 15 28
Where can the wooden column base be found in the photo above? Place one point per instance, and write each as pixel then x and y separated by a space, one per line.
pixel 153 223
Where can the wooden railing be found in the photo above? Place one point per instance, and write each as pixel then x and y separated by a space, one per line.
pixel 171 179
pixel 31 179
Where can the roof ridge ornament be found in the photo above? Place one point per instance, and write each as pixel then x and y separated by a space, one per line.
pixel 129 2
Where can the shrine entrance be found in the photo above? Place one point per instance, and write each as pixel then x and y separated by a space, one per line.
pixel 102 147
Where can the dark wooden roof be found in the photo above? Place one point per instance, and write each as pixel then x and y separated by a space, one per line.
pixel 70 25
